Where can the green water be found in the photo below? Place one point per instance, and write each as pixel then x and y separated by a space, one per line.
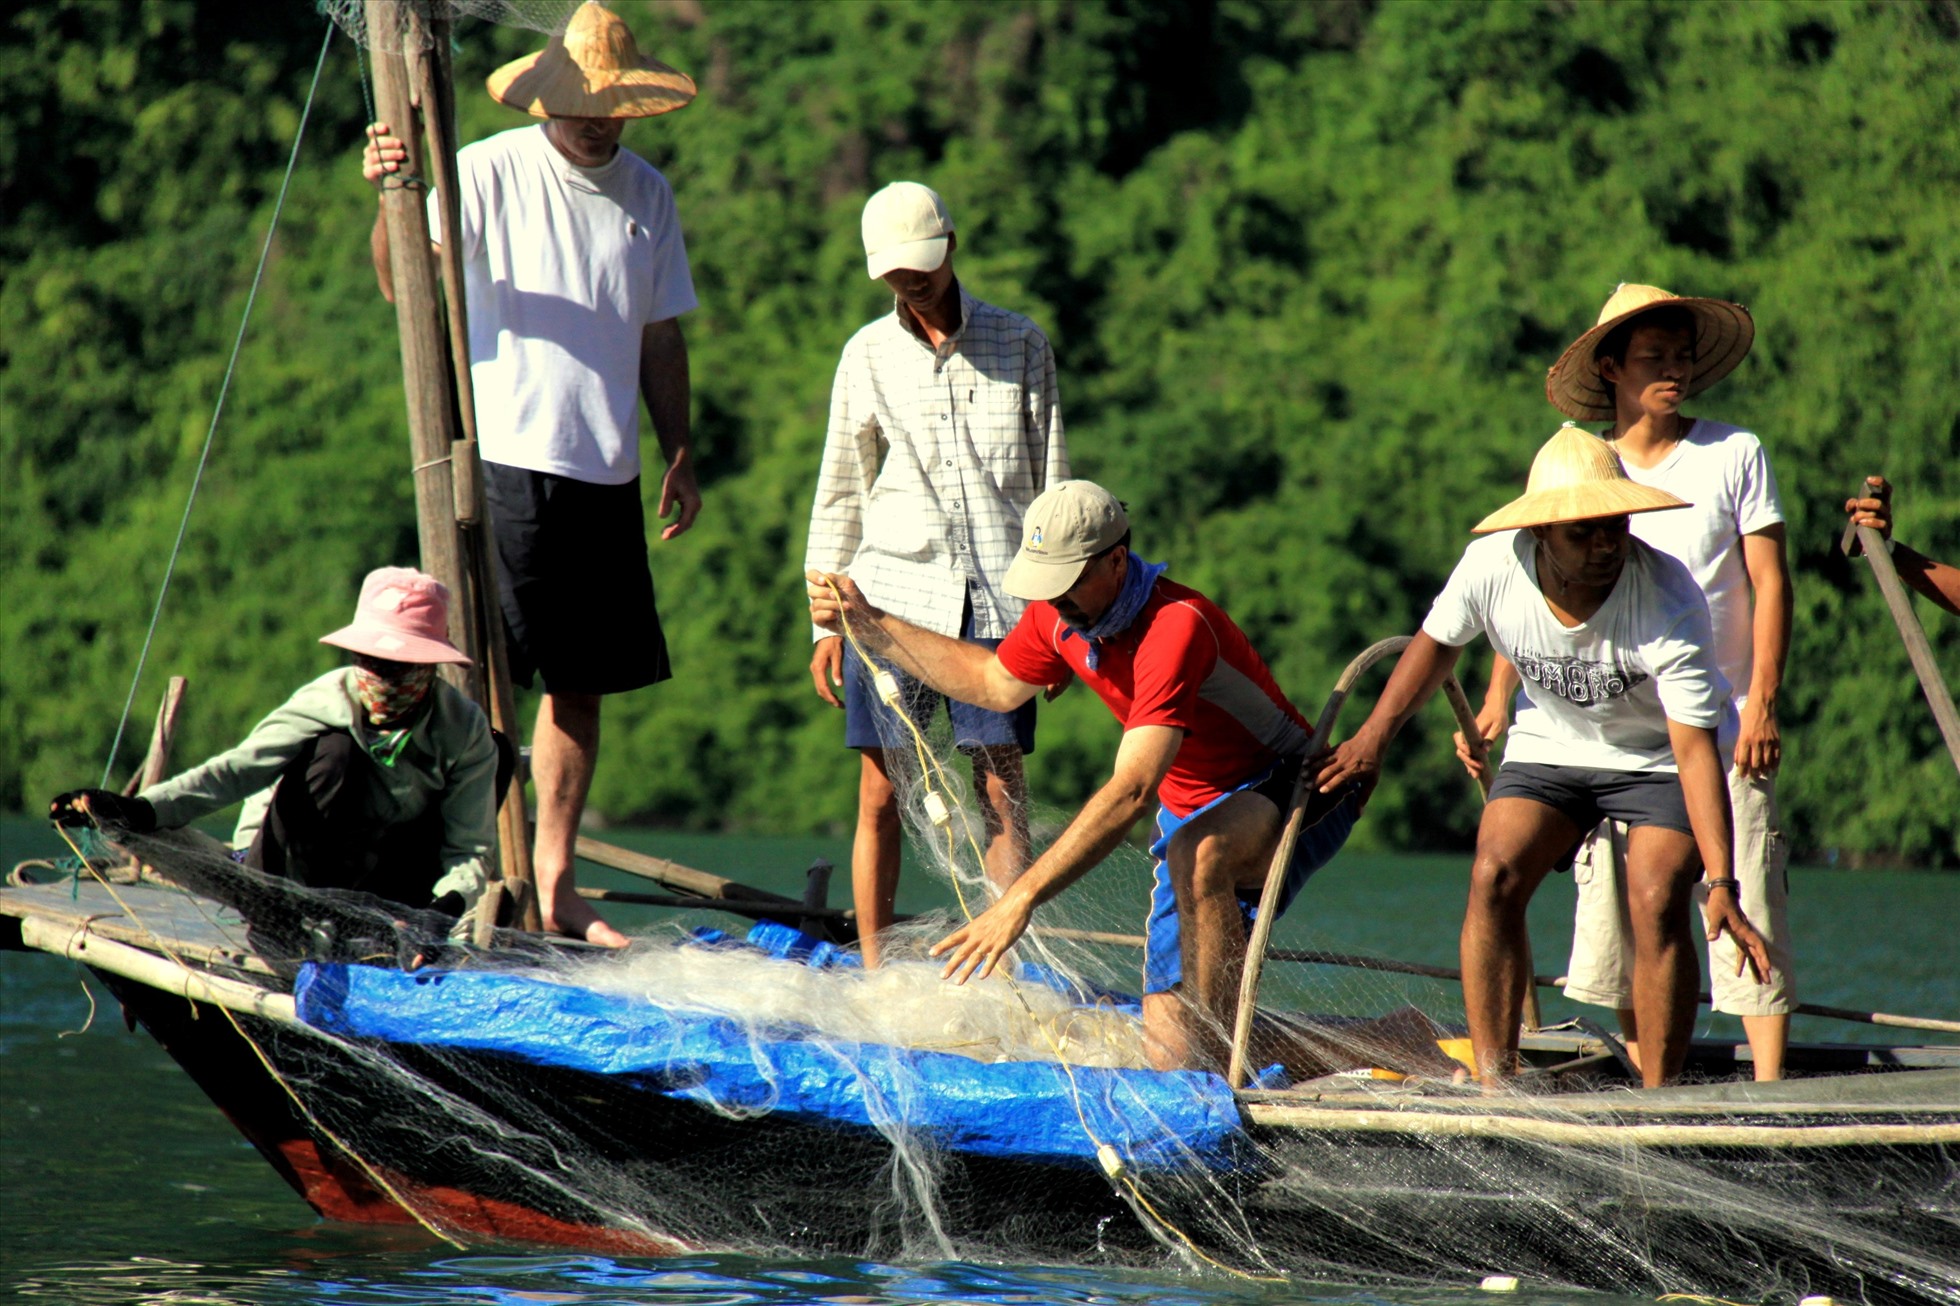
pixel 120 1183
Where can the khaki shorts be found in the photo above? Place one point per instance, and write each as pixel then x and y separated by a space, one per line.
pixel 1601 969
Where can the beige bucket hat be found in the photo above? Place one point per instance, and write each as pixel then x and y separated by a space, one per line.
pixel 595 70
pixel 1576 477
pixel 1723 334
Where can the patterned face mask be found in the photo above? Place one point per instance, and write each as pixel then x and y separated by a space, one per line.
pixel 392 695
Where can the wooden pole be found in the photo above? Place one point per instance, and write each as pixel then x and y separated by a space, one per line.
pixel 156 763
pixel 482 606
pixel 1918 648
pixel 441 403
pixel 686 879
pixel 425 355
pixel 1315 957
pixel 1262 925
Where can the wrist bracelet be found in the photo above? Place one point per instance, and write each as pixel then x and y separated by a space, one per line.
pixel 1712 885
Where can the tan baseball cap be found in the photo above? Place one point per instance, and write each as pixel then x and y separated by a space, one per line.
pixel 1070 523
pixel 905 226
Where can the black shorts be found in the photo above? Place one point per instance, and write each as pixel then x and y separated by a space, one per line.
pixel 1586 797
pixel 573 579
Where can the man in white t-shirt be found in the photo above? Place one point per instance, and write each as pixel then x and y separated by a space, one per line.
pixel 575 277
pixel 1626 716
pixel 1648 352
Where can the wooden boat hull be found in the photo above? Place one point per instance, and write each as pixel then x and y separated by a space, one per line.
pixel 1333 1203
pixel 1727 1189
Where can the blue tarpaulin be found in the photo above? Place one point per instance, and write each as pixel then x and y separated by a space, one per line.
pixel 1026 1110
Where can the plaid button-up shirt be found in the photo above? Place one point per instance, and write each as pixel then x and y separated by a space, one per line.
pixel 931 459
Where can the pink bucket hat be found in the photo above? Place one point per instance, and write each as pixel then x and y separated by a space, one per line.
pixel 403 616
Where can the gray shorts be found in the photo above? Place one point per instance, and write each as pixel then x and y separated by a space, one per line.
pixel 1586 797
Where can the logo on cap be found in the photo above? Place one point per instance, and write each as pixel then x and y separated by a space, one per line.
pixel 1034 540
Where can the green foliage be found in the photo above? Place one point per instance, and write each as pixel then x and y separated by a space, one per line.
pixel 1304 265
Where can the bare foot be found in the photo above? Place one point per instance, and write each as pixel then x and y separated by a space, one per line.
pixel 576 919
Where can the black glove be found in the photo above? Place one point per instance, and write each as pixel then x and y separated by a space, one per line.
pixel 103 807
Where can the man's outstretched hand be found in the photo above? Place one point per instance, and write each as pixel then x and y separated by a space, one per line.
pixel 80 807
pixel 978 946
pixel 835 601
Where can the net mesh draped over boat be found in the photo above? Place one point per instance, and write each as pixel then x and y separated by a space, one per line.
pixel 395 25
pixel 777 1097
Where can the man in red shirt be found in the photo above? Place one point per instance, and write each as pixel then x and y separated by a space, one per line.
pixel 1208 738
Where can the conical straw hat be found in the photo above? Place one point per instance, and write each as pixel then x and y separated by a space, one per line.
pixel 1723 334
pixel 1576 477
pixel 595 70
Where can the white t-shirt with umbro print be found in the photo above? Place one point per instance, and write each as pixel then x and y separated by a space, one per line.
pixel 1599 694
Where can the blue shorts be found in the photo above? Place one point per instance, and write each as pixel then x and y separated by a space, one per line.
pixel 973 727
pixel 1329 820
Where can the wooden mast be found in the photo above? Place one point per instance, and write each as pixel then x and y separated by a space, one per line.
pixel 436 381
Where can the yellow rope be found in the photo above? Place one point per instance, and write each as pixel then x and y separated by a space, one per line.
pixel 928 763
pixel 1125 1182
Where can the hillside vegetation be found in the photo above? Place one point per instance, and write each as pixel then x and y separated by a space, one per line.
pixel 1304 265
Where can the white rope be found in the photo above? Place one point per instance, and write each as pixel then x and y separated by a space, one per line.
pixel 224 389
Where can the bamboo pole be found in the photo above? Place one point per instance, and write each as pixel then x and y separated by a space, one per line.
pixel 441 402
pixel 1262 925
pixel 77 944
pixel 1315 957
pixel 1615 1135
pixel 156 763
pixel 676 876
pixel 425 357
pixel 752 907
pixel 479 561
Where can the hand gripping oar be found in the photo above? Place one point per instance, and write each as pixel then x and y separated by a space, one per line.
pixel 1262 927
pixel 1917 647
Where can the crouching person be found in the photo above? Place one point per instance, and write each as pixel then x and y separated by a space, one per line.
pixel 376 777
pixel 1621 711
pixel 1209 743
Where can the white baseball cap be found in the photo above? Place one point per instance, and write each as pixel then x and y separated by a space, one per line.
pixel 905 226
pixel 1067 524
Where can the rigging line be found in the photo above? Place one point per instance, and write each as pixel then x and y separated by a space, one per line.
pixel 224 389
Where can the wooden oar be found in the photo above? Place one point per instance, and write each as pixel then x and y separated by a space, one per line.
pixel 1262 926
pixel 1917 646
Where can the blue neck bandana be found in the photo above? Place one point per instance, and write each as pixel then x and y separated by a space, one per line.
pixel 1139 578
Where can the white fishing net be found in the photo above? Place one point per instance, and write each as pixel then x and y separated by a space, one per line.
pixel 698 1092
pixel 401 25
